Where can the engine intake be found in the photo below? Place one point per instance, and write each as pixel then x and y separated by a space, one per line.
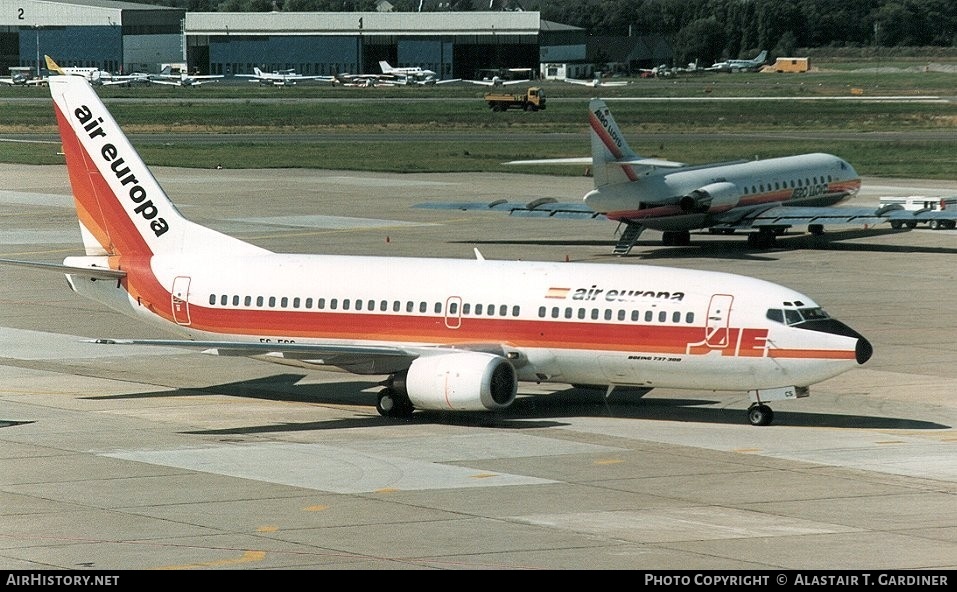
pixel 467 381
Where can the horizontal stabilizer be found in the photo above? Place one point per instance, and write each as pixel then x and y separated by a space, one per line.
pixel 100 273
pixel 648 162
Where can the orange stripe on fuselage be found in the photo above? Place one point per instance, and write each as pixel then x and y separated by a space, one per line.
pixel 553 334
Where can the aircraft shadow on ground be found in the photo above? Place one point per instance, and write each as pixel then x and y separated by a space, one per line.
pixel 529 411
pixel 736 246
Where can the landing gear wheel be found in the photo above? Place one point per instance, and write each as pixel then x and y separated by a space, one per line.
pixel 393 404
pixel 760 415
pixel 676 238
pixel 763 239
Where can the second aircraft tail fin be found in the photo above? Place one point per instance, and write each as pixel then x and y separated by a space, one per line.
pixel 613 160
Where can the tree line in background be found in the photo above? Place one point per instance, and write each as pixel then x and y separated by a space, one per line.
pixel 697 29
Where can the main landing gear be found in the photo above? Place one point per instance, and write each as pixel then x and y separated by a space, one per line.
pixel 393 404
pixel 760 414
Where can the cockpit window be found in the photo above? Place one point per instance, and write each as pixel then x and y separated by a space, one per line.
pixel 796 316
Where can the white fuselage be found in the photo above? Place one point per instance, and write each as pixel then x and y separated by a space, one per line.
pixel 653 199
pixel 556 322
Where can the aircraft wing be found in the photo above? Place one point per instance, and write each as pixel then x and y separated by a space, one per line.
pixel 357 359
pixel 831 216
pixel 545 207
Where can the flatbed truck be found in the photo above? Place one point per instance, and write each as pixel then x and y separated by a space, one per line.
pixel 533 99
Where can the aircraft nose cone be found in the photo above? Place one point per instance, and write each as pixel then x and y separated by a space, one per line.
pixel 864 350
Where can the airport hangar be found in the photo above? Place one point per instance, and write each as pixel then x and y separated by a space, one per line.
pixel 130 37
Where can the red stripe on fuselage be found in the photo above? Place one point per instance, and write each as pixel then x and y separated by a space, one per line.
pixel 530 333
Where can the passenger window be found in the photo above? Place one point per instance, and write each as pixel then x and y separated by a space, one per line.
pixel 662 316
pixel 568 313
pixel 423 307
pixel 503 310
pixel 259 300
pixel 346 303
pixel 541 312
pixel 396 306
pixel 556 312
pixel 516 310
pixel 453 308
pixel 358 305
pixel 248 301
pixel 466 308
pixel 284 302
pixel 321 303
pixel 438 308
pixel 648 316
pixel 594 314
pixel 635 315
pixel 272 302
pixel 224 300
pixel 212 299
pixel 478 309
pixel 333 304
pixel 676 317
pixel 384 306
pixel 689 318
pixel 581 313
pixel 295 302
pixel 236 300
pixel 308 302
pixel 409 306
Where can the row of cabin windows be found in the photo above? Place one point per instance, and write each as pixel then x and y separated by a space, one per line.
pixel 609 314
pixel 501 310
pixel 359 304
pixel 784 185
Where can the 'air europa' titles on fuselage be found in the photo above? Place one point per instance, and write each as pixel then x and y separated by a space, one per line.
pixel 137 194
pixel 593 293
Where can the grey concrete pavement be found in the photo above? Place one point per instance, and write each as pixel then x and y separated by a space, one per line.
pixel 143 458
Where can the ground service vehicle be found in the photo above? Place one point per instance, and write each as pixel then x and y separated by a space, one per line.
pixel 532 99
pixel 924 205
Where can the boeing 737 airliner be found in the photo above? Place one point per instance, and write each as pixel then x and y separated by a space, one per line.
pixel 460 341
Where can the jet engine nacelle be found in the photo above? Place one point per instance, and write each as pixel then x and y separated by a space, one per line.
pixel 467 381
pixel 716 197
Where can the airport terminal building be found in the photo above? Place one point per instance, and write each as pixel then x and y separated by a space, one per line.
pixel 127 37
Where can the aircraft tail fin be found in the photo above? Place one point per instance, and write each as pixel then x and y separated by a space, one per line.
pixel 761 57
pixel 53 66
pixel 613 160
pixel 386 67
pixel 121 207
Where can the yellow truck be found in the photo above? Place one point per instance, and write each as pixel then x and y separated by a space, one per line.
pixel 532 99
